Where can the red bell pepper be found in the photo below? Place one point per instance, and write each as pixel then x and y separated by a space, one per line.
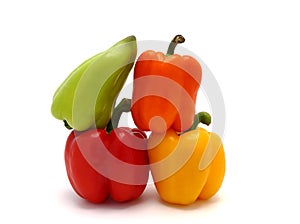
pixel 165 89
pixel 101 164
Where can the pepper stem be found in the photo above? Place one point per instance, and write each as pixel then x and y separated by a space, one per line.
pixel 123 106
pixel 67 125
pixel 201 117
pixel 178 39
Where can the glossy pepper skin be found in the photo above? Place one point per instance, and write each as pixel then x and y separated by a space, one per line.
pixel 86 98
pixel 186 167
pixel 101 165
pixel 165 86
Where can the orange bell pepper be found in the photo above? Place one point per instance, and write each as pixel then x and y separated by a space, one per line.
pixel 188 166
pixel 165 89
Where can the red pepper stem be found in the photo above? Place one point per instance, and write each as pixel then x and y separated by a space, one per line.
pixel 201 117
pixel 123 106
pixel 178 39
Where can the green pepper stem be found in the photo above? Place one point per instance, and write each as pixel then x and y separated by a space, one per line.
pixel 178 39
pixel 67 125
pixel 123 106
pixel 201 117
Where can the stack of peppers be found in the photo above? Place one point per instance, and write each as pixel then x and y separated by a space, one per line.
pixel 187 162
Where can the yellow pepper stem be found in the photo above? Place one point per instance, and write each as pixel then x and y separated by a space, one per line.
pixel 201 117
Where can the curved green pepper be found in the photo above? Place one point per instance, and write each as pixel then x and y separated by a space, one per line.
pixel 87 96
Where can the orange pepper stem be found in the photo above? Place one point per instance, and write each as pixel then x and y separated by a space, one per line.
pixel 178 39
pixel 201 117
pixel 123 106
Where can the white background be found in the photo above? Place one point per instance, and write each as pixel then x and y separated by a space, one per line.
pixel 252 48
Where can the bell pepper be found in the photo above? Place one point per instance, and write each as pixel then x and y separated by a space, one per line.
pixel 187 166
pixel 165 89
pixel 86 98
pixel 104 162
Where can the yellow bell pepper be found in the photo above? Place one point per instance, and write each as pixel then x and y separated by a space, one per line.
pixel 186 167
